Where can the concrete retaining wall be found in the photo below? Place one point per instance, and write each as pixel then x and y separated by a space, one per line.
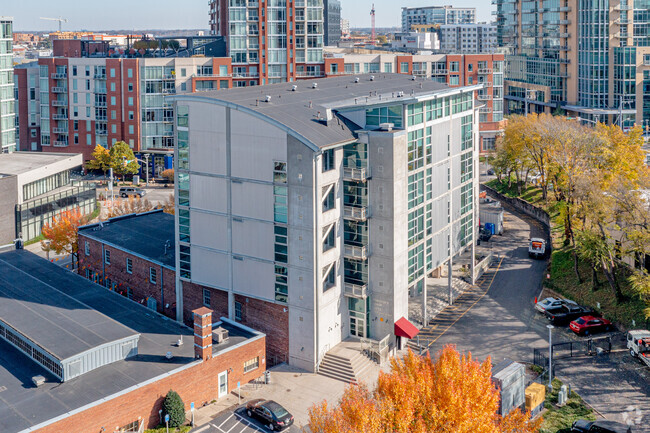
pixel 523 206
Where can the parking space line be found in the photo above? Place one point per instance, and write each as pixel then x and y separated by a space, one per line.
pixel 204 428
pixel 227 419
pixel 251 425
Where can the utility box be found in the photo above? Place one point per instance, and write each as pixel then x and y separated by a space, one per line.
pixel 491 212
pixel 535 397
pixel 510 378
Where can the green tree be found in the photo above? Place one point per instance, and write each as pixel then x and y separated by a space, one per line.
pixel 101 159
pixel 174 407
pixel 123 160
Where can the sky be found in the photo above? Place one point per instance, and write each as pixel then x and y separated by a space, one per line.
pixel 186 14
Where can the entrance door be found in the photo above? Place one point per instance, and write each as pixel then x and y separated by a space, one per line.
pixel 223 383
pixel 357 327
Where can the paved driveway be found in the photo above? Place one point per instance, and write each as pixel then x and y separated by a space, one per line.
pixel 497 319
pixel 237 422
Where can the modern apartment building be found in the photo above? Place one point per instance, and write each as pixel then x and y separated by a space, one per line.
pixel 71 104
pixel 452 69
pixel 588 58
pixel 468 38
pixel 7 99
pixel 436 15
pixel 270 42
pixel 332 22
pixel 324 204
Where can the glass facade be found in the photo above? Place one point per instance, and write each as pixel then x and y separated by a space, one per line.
pixel 157 112
pixel 7 100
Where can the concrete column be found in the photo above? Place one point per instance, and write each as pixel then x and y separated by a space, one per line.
pixel 449 280
pixel 425 320
pixel 473 253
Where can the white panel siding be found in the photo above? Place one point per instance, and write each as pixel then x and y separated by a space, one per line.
pixel 253 238
pixel 209 231
pixel 208 193
pixel 208 126
pixel 209 268
pixel 253 200
pixel 254 278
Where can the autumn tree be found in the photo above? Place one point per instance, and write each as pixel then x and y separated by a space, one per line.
pixel 123 160
pixel 101 159
pixel 169 206
pixel 168 175
pixel 62 234
pixel 453 393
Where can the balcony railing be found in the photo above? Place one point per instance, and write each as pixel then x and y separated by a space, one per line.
pixel 356 290
pixel 485 110
pixel 485 71
pixel 100 90
pixel 60 130
pixel 356 174
pixel 355 252
pixel 356 213
pixel 60 143
pixel 484 97
pixel 59 75
pixel 440 72
pixel 99 76
pixel 59 116
pixel 101 132
pixel 59 103
pixel 59 90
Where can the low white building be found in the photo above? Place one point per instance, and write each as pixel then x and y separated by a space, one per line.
pixel 324 203
pixel 414 41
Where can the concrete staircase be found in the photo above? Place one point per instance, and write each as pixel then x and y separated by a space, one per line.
pixel 349 366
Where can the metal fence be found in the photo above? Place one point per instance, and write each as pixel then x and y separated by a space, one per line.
pixel 571 349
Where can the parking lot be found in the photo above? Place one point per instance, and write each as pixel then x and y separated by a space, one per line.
pixel 237 422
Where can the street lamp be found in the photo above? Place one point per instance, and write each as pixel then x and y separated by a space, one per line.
pixel 550 355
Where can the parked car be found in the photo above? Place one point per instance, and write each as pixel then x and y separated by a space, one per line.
pixel 127 191
pixel 551 302
pixel 600 426
pixel 566 313
pixel 490 172
pixel 272 414
pixel 586 325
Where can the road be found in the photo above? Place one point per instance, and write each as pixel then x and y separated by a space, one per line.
pixel 236 422
pixel 497 319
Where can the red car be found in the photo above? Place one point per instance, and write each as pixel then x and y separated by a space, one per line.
pixel 586 325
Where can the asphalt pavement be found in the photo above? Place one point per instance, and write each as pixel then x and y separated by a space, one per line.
pixel 497 319
pixel 237 422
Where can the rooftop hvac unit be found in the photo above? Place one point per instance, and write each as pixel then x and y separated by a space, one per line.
pixel 386 127
pixel 220 335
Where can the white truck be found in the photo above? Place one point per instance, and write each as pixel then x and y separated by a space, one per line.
pixel 491 212
pixel 638 343
pixel 537 248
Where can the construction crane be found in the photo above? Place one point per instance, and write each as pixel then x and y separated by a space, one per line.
pixel 372 19
pixel 61 20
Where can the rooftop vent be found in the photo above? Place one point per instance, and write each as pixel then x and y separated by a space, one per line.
pixel 400 94
pixel 169 355
pixel 314 86
pixel 294 88
pixel 356 80
pixel 267 98
pixel 386 126
pixel 413 78
pixel 38 380
pixel 372 78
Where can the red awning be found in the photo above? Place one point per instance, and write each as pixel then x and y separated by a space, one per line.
pixel 404 328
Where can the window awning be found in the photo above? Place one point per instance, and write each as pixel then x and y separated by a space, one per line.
pixel 404 328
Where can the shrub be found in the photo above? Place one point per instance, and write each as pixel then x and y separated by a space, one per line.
pixel 174 407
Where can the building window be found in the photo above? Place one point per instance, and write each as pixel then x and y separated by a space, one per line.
pixel 130 87
pixel 107 257
pixel 328 160
pixel 280 202
pixel 329 197
pixel 329 237
pixel 206 297
pixel 153 277
pixel 281 284
pixel 129 73
pixel 404 68
pixel 251 365
pixel 87 248
pixel 280 172
pixel 130 101
pixel 129 265
pixel 238 311
pixel 329 277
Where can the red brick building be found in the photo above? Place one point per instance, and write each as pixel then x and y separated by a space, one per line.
pixel 213 357
pixel 134 255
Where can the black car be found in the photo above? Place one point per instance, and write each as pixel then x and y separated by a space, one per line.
pixel 272 414
pixel 564 314
pixel 600 426
pixel 490 172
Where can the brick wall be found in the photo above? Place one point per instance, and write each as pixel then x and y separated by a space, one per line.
pixel 196 384
pixel 137 281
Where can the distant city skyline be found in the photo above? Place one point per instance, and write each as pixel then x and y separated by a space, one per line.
pixel 171 14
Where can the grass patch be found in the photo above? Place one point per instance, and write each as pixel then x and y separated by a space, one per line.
pixel 559 419
pixel 162 429
pixel 564 281
pixel 96 212
pixel 531 194
pixel 36 239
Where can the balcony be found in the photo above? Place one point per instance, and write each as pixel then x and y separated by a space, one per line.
pixel 355 252
pixel 59 103
pixel 60 116
pixel 61 131
pixel 484 97
pixel 101 132
pixel 59 75
pixel 356 174
pixel 484 71
pixel 100 90
pixel 310 74
pixel 356 290
pixel 99 76
pixel 440 72
pixel 245 75
pixel 60 143
pixel 356 213
pixel 485 110
pixel 59 90
pixel 420 73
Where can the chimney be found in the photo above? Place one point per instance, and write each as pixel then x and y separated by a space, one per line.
pixel 203 333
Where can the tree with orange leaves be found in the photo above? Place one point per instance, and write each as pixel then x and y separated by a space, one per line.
pixel 454 393
pixel 62 235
